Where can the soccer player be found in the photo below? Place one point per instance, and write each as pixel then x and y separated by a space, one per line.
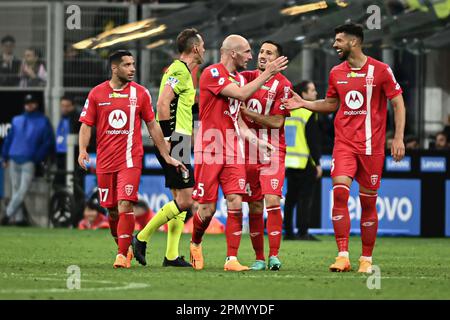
pixel 265 114
pixel 216 155
pixel 361 85
pixel 117 107
pixel 176 97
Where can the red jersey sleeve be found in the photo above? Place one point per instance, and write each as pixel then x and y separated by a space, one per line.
pixel 331 92
pixel 249 76
pixel 391 87
pixel 215 80
pixel 283 93
pixel 147 113
pixel 89 113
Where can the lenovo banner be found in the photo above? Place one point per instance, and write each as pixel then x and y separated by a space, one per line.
pixel 398 207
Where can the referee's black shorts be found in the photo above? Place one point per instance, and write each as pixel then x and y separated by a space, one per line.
pixel 174 178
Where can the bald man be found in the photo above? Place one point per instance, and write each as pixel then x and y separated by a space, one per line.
pixel 219 148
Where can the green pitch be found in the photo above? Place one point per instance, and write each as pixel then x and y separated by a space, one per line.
pixel 34 264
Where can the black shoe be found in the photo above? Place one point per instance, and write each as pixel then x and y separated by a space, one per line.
pixel 178 262
pixel 139 249
pixel 307 237
pixel 5 221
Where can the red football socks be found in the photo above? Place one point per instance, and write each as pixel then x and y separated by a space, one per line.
pixel 340 216
pixel 256 226
pixel 199 228
pixel 369 222
pixel 125 230
pixel 113 227
pixel 274 229
pixel 233 231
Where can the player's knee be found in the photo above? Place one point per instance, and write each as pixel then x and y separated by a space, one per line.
pixel 206 210
pixel 184 203
pixel 272 200
pixel 256 207
pixel 341 194
pixel 234 201
pixel 125 206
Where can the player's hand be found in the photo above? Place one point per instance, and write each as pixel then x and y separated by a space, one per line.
pixel 265 147
pixel 295 102
pixel 83 159
pixel 397 149
pixel 279 64
pixel 4 164
pixel 177 164
pixel 319 172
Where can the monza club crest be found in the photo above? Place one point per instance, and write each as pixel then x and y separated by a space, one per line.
pixel 129 189
pixel 374 179
pixel 274 183
pixel 242 184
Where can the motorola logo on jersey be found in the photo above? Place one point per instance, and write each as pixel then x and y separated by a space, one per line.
pixel 117 119
pixel 255 106
pixel 354 99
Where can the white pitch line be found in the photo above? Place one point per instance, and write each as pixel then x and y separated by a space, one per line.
pixel 129 286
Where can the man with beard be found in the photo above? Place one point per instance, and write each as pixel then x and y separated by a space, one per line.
pixel 361 85
pixel 218 147
pixel 265 176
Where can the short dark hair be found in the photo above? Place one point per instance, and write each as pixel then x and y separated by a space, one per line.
pixel 303 86
pixel 351 28
pixel 116 56
pixel 66 98
pixel 186 40
pixel 276 44
pixel 8 38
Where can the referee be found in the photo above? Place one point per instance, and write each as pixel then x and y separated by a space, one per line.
pixel 174 113
pixel 302 165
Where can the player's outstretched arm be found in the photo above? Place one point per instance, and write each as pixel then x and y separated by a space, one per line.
pixel 398 146
pixel 156 133
pixel 326 105
pixel 243 93
pixel 270 121
pixel 83 142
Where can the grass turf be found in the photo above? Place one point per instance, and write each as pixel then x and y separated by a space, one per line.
pixel 34 266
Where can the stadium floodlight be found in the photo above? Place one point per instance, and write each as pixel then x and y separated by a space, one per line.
pixel 123 33
pixel 137 35
pixel 295 10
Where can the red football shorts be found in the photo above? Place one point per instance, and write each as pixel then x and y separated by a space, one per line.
pixel 120 185
pixel 208 177
pixel 365 169
pixel 265 179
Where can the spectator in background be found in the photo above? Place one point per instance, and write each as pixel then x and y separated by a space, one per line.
pixel 32 71
pixel 93 217
pixel 29 141
pixel 412 142
pixel 67 125
pixel 9 64
pixel 143 214
pixel 441 142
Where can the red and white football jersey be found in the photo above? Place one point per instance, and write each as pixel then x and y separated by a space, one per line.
pixel 360 123
pixel 218 114
pixel 267 101
pixel 117 116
